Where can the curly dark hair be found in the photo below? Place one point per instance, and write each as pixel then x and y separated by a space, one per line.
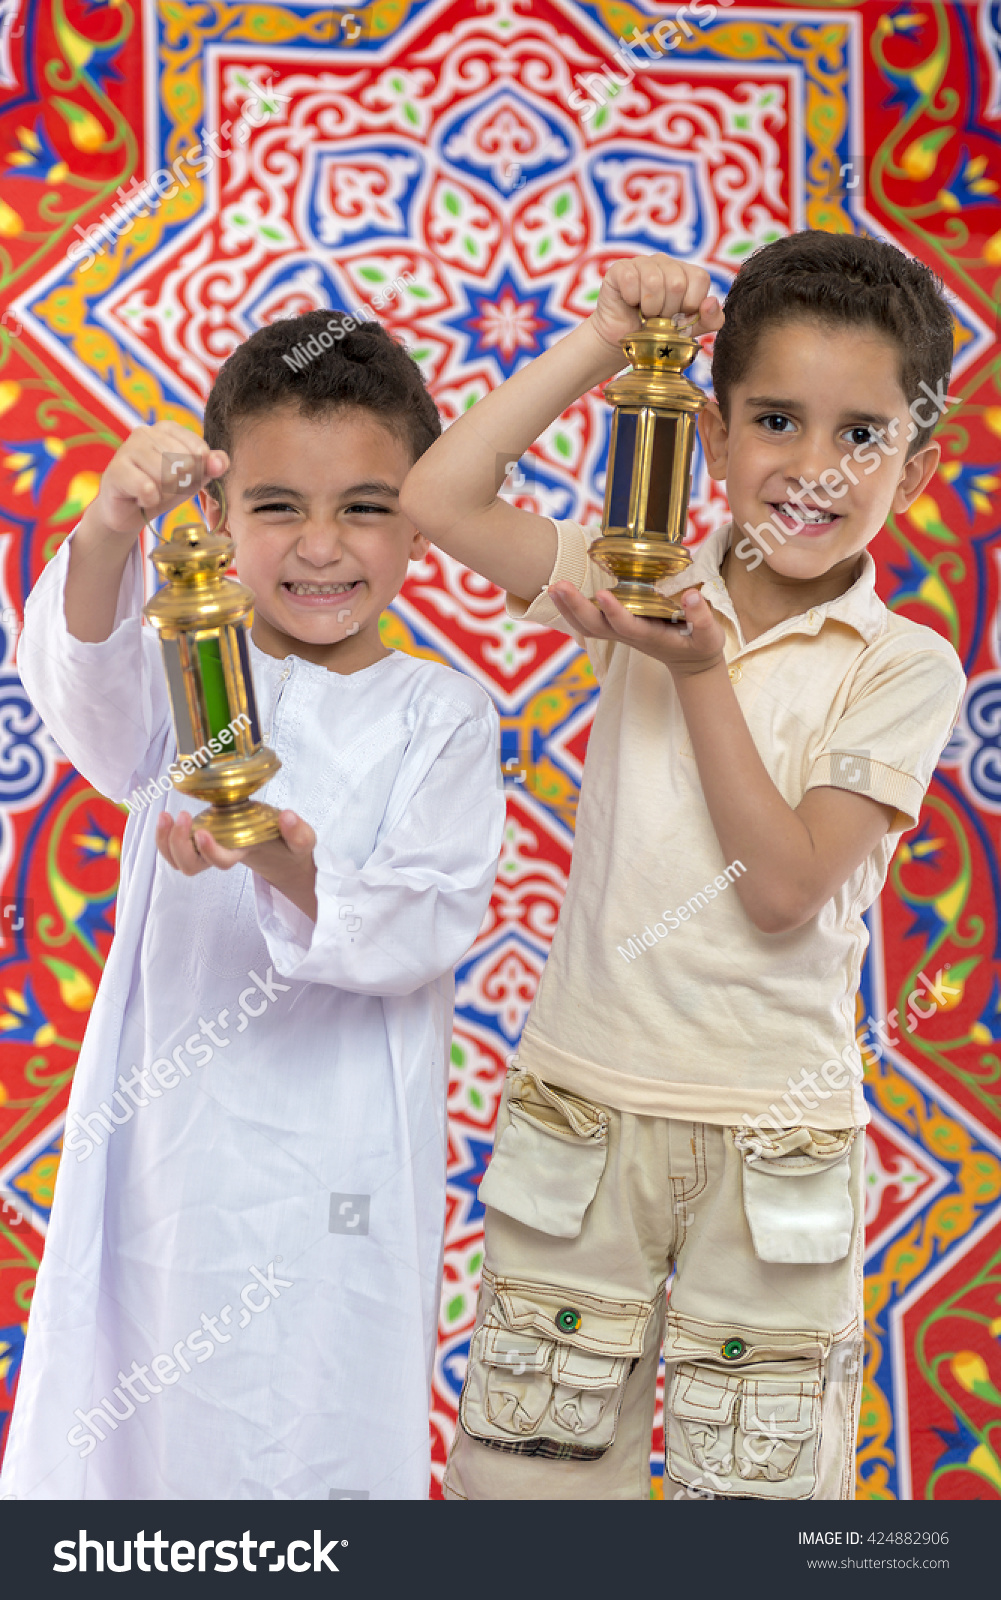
pixel 845 280
pixel 354 364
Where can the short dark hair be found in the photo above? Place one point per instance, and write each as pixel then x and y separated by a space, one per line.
pixel 359 364
pixel 842 279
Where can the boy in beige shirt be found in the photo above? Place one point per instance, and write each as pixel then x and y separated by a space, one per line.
pixel 687 1092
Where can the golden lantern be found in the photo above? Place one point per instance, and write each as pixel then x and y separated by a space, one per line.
pixel 650 467
pixel 203 619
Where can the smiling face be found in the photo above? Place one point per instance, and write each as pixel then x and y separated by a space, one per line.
pixel 802 427
pixel 320 539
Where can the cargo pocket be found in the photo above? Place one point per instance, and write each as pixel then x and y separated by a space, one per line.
pixel 546 1164
pixel 547 1370
pixel 797 1198
pixel 745 1424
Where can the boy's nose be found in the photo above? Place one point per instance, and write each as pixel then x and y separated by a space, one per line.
pixel 813 457
pixel 320 543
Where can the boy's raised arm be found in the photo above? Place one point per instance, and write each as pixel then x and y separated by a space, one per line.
pixel 133 488
pixel 91 669
pixel 451 493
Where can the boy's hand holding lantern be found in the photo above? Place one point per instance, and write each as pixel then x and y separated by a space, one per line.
pixel 652 308
pixel 203 619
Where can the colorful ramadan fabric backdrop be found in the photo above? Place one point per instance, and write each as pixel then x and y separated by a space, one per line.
pixel 443 164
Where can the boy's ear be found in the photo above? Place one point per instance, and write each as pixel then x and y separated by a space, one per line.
pixel 917 475
pixel 209 509
pixel 419 548
pixel 715 440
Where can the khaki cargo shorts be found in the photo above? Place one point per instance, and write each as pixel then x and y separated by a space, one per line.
pixel 587 1211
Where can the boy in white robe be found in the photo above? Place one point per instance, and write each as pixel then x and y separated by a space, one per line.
pixel 239 1293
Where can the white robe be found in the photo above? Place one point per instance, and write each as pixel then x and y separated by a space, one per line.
pixel 272 1217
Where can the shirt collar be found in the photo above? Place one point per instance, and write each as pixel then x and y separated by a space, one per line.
pixel 860 606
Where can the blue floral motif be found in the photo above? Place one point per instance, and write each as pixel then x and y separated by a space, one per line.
pixel 25 747
pixel 975 745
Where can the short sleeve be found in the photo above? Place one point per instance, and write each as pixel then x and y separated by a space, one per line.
pixel 889 741
pixel 573 563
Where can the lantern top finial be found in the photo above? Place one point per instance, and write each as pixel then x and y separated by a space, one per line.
pixel 192 551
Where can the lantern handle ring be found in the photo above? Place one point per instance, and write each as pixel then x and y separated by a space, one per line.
pixel 223 507
pixel 214 529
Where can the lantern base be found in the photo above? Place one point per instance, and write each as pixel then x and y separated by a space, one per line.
pixel 243 823
pixel 232 817
pixel 637 565
pixel 643 600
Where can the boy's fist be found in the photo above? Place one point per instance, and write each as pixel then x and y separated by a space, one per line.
pixel 654 286
pixel 153 471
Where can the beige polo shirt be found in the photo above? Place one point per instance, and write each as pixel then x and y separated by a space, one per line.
pixel 659 995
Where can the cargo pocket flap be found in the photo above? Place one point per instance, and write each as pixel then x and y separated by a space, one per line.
pixel 580 1369
pixel 583 1321
pixel 700 1395
pixel 548 1369
pixel 799 1213
pixel 774 1408
pixel 546 1164
pixel 690 1339
pixel 520 1352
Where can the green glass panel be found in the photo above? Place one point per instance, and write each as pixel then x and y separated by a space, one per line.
pixel 213 685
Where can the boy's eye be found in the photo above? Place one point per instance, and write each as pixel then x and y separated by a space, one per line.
pixel 275 505
pixel 362 506
pixel 776 417
pixel 867 435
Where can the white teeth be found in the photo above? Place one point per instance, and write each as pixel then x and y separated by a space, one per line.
pixel 803 514
pixel 320 588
